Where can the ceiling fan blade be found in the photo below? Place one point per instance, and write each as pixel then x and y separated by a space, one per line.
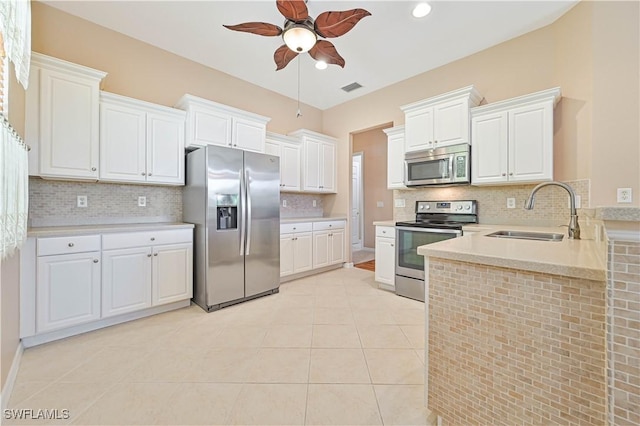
pixel 334 24
pixel 260 28
pixel 282 56
pixel 326 51
pixel 294 10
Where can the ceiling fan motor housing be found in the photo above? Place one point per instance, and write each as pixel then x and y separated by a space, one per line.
pixel 299 36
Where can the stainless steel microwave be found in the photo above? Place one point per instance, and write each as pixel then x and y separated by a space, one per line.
pixel 441 166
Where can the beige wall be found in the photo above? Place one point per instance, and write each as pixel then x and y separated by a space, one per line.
pixel 373 145
pixel 141 71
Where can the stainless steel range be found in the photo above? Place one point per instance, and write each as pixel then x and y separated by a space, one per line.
pixel 435 221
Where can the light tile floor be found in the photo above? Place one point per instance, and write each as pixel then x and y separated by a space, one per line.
pixel 327 349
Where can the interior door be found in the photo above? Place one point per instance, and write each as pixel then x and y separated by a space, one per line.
pixel 262 248
pixel 356 202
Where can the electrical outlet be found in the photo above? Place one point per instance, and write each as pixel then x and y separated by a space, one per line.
pixel 511 203
pixel 380 204
pixel 625 195
pixel 284 203
pixel 82 201
pixel 142 201
pixel 578 202
pixel 399 202
pixel 315 203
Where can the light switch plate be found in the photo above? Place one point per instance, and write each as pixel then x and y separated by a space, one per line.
pixel 284 203
pixel 511 203
pixel 82 201
pixel 315 203
pixel 399 202
pixel 142 201
pixel 380 203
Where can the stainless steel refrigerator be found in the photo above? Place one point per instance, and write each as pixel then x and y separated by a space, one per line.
pixel 233 198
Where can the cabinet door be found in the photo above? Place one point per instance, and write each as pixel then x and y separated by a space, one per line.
pixel 273 148
pixel 208 127
pixel 385 260
pixel 311 172
pixel 248 135
pixel 165 149
pixel 320 249
pixel 69 126
pixel 489 148
pixel 287 253
pixel 418 130
pixel 337 246
pixel 531 143
pixel 172 278
pixel 451 123
pixel 67 290
pixel 395 162
pixel 303 252
pixel 126 280
pixel 328 161
pixel 122 143
pixel 290 167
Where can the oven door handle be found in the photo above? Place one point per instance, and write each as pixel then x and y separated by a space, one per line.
pixel 431 230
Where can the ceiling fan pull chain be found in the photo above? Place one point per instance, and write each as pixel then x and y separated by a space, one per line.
pixel 299 113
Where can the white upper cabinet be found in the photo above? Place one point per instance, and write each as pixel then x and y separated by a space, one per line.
pixel 439 121
pixel 395 157
pixel 288 149
pixel 211 123
pixel 140 142
pixel 319 158
pixel 61 119
pixel 513 140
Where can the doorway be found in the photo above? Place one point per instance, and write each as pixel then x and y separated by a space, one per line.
pixel 357 202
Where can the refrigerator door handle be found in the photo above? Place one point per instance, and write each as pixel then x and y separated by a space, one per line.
pixel 247 191
pixel 242 214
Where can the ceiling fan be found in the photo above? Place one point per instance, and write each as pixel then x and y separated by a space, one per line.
pixel 301 32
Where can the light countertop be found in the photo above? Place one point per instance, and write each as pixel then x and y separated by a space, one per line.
pixel 570 258
pixel 312 219
pixel 384 223
pixel 59 231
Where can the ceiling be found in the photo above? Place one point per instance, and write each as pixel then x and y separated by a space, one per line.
pixel 385 48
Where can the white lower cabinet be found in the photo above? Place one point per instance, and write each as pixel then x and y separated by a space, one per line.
pixel 328 243
pixel 126 280
pixel 296 250
pixel 68 290
pixel 385 256
pixel 172 273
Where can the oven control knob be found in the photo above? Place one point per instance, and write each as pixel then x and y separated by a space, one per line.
pixel 467 208
pixel 459 207
pixel 427 207
pixel 421 207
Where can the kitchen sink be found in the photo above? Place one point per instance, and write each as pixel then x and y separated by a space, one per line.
pixel 521 235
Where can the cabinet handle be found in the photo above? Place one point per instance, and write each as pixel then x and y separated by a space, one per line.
pixel 93 169
pixel 70 244
pixel 95 260
pixel 155 254
pixel 143 174
pixel 149 255
pixel 153 238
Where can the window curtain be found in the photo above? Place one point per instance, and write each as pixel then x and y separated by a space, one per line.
pixel 14 190
pixel 15 27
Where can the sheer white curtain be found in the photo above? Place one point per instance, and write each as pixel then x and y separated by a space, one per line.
pixel 15 27
pixel 14 190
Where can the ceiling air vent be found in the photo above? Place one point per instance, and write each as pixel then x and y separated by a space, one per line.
pixel 351 87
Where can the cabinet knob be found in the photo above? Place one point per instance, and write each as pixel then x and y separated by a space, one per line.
pixel 511 174
pixel 153 238
pixel 95 260
pixel 149 255
pixel 295 229
pixel 504 174
pixel 150 174
pixel 391 245
pixel 435 141
pixel 70 244
pixel 155 254
pixel 143 174
pixel 93 169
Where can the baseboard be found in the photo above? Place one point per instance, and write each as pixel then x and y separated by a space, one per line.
pixel 308 273
pixel 347 265
pixel 5 396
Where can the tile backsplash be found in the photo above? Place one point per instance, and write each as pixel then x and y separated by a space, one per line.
pixel 54 203
pixel 551 206
pixel 300 205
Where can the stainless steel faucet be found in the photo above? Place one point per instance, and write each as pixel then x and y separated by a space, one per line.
pixel 574 226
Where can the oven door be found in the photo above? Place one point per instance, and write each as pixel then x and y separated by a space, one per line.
pixel 408 262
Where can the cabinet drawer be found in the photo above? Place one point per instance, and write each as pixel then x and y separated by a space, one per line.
pixel 325 226
pixel 288 228
pixel 385 231
pixel 67 245
pixel 146 238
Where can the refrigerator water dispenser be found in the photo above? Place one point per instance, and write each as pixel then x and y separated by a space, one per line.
pixel 227 211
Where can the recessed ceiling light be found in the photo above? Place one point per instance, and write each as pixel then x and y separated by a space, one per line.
pixel 321 65
pixel 421 10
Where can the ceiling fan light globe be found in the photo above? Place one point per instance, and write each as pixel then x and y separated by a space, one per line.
pixel 299 38
pixel 321 65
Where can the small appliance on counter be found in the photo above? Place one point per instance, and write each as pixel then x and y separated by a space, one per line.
pixel 435 221
pixel 233 198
